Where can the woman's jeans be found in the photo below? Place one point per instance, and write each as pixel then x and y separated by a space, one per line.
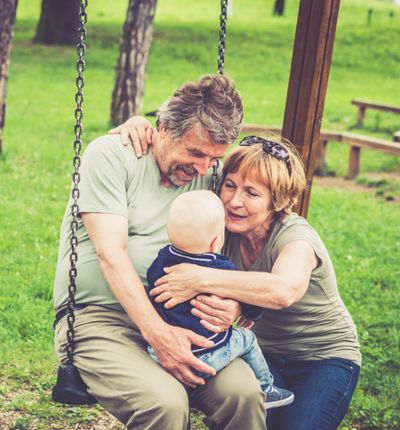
pixel 322 393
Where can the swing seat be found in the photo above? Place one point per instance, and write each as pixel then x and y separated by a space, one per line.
pixel 70 388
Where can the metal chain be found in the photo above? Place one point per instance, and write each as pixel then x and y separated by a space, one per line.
pixel 222 35
pixel 80 82
pixel 221 60
pixel 215 177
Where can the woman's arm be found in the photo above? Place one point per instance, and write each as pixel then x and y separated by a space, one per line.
pixel 285 285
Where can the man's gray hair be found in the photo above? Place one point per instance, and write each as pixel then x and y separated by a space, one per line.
pixel 212 105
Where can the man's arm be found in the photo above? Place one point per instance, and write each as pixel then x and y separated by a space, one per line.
pixel 109 235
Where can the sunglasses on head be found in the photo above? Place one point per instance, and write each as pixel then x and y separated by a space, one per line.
pixel 275 149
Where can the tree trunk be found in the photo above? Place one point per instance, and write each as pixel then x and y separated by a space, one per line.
pixel 7 21
pixel 279 7
pixel 134 50
pixel 59 22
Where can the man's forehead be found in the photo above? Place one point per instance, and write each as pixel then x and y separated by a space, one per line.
pixel 203 148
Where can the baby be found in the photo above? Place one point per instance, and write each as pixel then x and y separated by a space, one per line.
pixel 196 227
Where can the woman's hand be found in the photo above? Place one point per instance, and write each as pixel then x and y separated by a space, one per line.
pixel 215 313
pixel 181 283
pixel 139 130
pixel 184 281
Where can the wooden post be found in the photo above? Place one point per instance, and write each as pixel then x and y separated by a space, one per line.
pixel 312 54
pixel 360 115
pixel 354 162
pixel 320 165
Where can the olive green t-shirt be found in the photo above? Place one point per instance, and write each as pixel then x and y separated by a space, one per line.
pixel 114 181
pixel 318 326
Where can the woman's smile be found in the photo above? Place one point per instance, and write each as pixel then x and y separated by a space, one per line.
pixel 234 216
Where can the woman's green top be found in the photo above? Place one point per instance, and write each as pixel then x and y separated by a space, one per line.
pixel 316 327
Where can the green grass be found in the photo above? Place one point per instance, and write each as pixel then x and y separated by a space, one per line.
pixel 363 239
pixel 361 232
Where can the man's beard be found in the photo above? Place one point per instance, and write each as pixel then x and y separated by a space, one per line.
pixel 175 176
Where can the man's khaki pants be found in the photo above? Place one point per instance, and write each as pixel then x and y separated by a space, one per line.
pixel 111 356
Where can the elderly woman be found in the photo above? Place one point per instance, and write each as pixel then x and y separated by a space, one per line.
pixel 306 333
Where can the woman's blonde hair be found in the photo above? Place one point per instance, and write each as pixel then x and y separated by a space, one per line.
pixel 261 167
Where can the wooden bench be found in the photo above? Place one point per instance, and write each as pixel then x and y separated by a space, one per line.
pixel 358 141
pixel 355 141
pixel 364 104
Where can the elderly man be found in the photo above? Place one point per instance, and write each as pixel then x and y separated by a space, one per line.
pixel 123 204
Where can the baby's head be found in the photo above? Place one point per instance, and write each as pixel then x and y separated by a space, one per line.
pixel 196 222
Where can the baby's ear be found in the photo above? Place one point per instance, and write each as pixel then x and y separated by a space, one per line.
pixel 216 244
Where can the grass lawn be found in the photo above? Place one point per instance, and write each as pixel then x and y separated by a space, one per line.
pixel 360 231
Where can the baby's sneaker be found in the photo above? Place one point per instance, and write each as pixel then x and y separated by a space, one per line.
pixel 277 397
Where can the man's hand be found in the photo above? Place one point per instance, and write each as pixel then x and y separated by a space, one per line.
pixel 215 313
pixel 172 346
pixel 139 130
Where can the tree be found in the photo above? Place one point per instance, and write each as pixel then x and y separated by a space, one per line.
pixel 7 20
pixel 58 23
pixel 279 6
pixel 134 50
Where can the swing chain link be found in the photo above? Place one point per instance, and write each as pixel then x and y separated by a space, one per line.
pixel 221 61
pixel 215 177
pixel 222 36
pixel 80 82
